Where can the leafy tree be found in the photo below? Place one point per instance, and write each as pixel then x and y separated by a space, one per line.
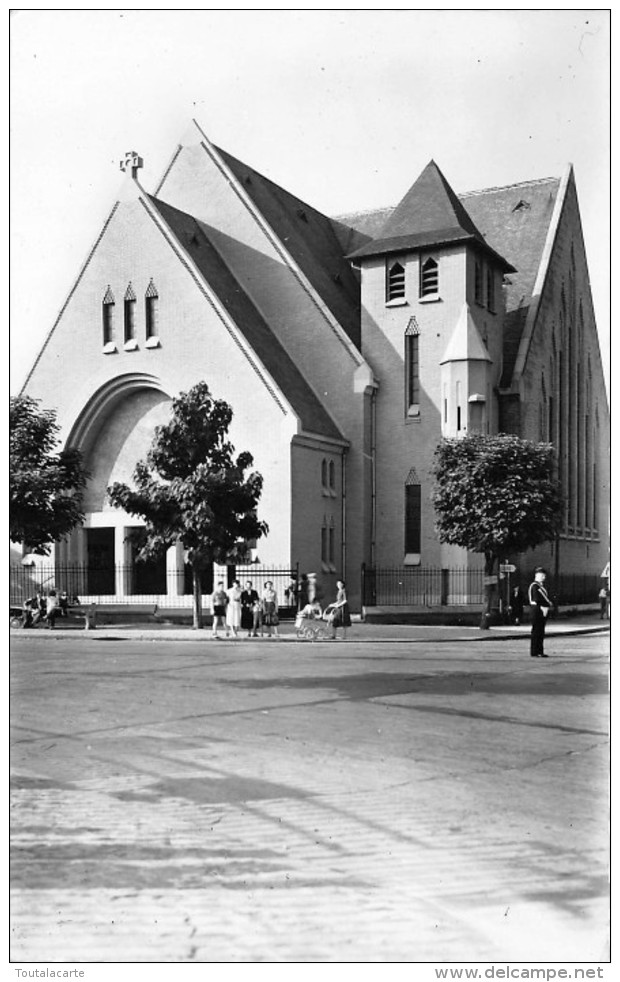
pixel 45 486
pixel 496 495
pixel 191 488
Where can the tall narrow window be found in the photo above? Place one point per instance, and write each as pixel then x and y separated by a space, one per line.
pixel 478 293
pixel 412 368
pixel 107 314
pixel 429 277
pixel 395 281
pixel 324 478
pixel 459 417
pixel 324 542
pixel 129 314
pixel 151 303
pixel 331 546
pixel 332 476
pixel 490 289
pixel 413 515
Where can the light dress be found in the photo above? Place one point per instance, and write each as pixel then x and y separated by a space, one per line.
pixel 233 611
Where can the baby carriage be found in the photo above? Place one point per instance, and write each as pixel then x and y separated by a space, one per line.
pixel 315 624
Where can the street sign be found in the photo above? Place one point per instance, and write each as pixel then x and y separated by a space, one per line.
pixel 507 568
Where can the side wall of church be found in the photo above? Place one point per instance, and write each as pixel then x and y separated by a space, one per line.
pixel 563 401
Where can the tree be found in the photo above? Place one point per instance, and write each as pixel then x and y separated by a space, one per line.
pixel 496 495
pixel 45 487
pixel 191 489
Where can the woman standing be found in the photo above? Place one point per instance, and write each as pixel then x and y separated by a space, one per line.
pixel 250 610
pixel 269 601
pixel 233 610
pixel 341 616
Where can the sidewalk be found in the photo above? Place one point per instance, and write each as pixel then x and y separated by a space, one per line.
pixel 359 633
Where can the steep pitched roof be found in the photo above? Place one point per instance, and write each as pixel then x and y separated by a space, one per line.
pixel 192 236
pixel 514 220
pixel 429 204
pixel 311 239
pixel 430 214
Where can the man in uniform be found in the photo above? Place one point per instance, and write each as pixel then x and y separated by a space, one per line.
pixel 540 604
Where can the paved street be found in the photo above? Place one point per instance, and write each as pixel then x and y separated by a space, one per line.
pixel 178 799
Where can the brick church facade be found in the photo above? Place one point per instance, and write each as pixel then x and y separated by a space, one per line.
pixel 346 347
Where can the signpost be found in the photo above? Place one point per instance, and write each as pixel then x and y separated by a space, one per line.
pixel 505 569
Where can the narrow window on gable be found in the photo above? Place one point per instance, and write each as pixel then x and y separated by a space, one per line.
pixel 107 314
pixel 395 281
pixel 324 474
pixel 332 476
pixel 429 277
pixel 151 311
pixel 129 309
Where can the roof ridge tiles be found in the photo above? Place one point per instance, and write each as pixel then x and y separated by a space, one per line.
pixel 507 187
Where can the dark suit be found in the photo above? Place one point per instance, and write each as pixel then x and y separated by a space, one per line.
pixel 539 603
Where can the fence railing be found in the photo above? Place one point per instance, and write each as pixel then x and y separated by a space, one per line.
pixel 142 583
pixel 421 586
pixel 400 586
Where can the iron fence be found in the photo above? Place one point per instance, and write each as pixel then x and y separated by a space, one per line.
pixel 574 588
pixel 143 583
pixel 421 586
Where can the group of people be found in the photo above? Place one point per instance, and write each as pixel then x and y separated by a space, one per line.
pixel 236 610
pixel 45 607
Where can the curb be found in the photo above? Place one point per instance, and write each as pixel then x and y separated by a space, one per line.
pixel 197 637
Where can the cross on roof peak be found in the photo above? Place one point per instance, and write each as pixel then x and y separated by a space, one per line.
pixel 132 162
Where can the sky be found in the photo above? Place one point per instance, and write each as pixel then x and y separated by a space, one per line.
pixel 343 108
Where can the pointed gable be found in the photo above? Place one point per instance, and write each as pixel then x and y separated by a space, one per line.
pixel 465 343
pixel 430 214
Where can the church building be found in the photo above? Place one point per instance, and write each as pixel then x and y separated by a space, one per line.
pixel 346 347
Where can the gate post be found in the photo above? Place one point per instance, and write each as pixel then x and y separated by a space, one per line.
pixel 445 586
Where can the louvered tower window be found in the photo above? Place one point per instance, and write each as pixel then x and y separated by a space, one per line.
pixel 429 277
pixel 395 281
